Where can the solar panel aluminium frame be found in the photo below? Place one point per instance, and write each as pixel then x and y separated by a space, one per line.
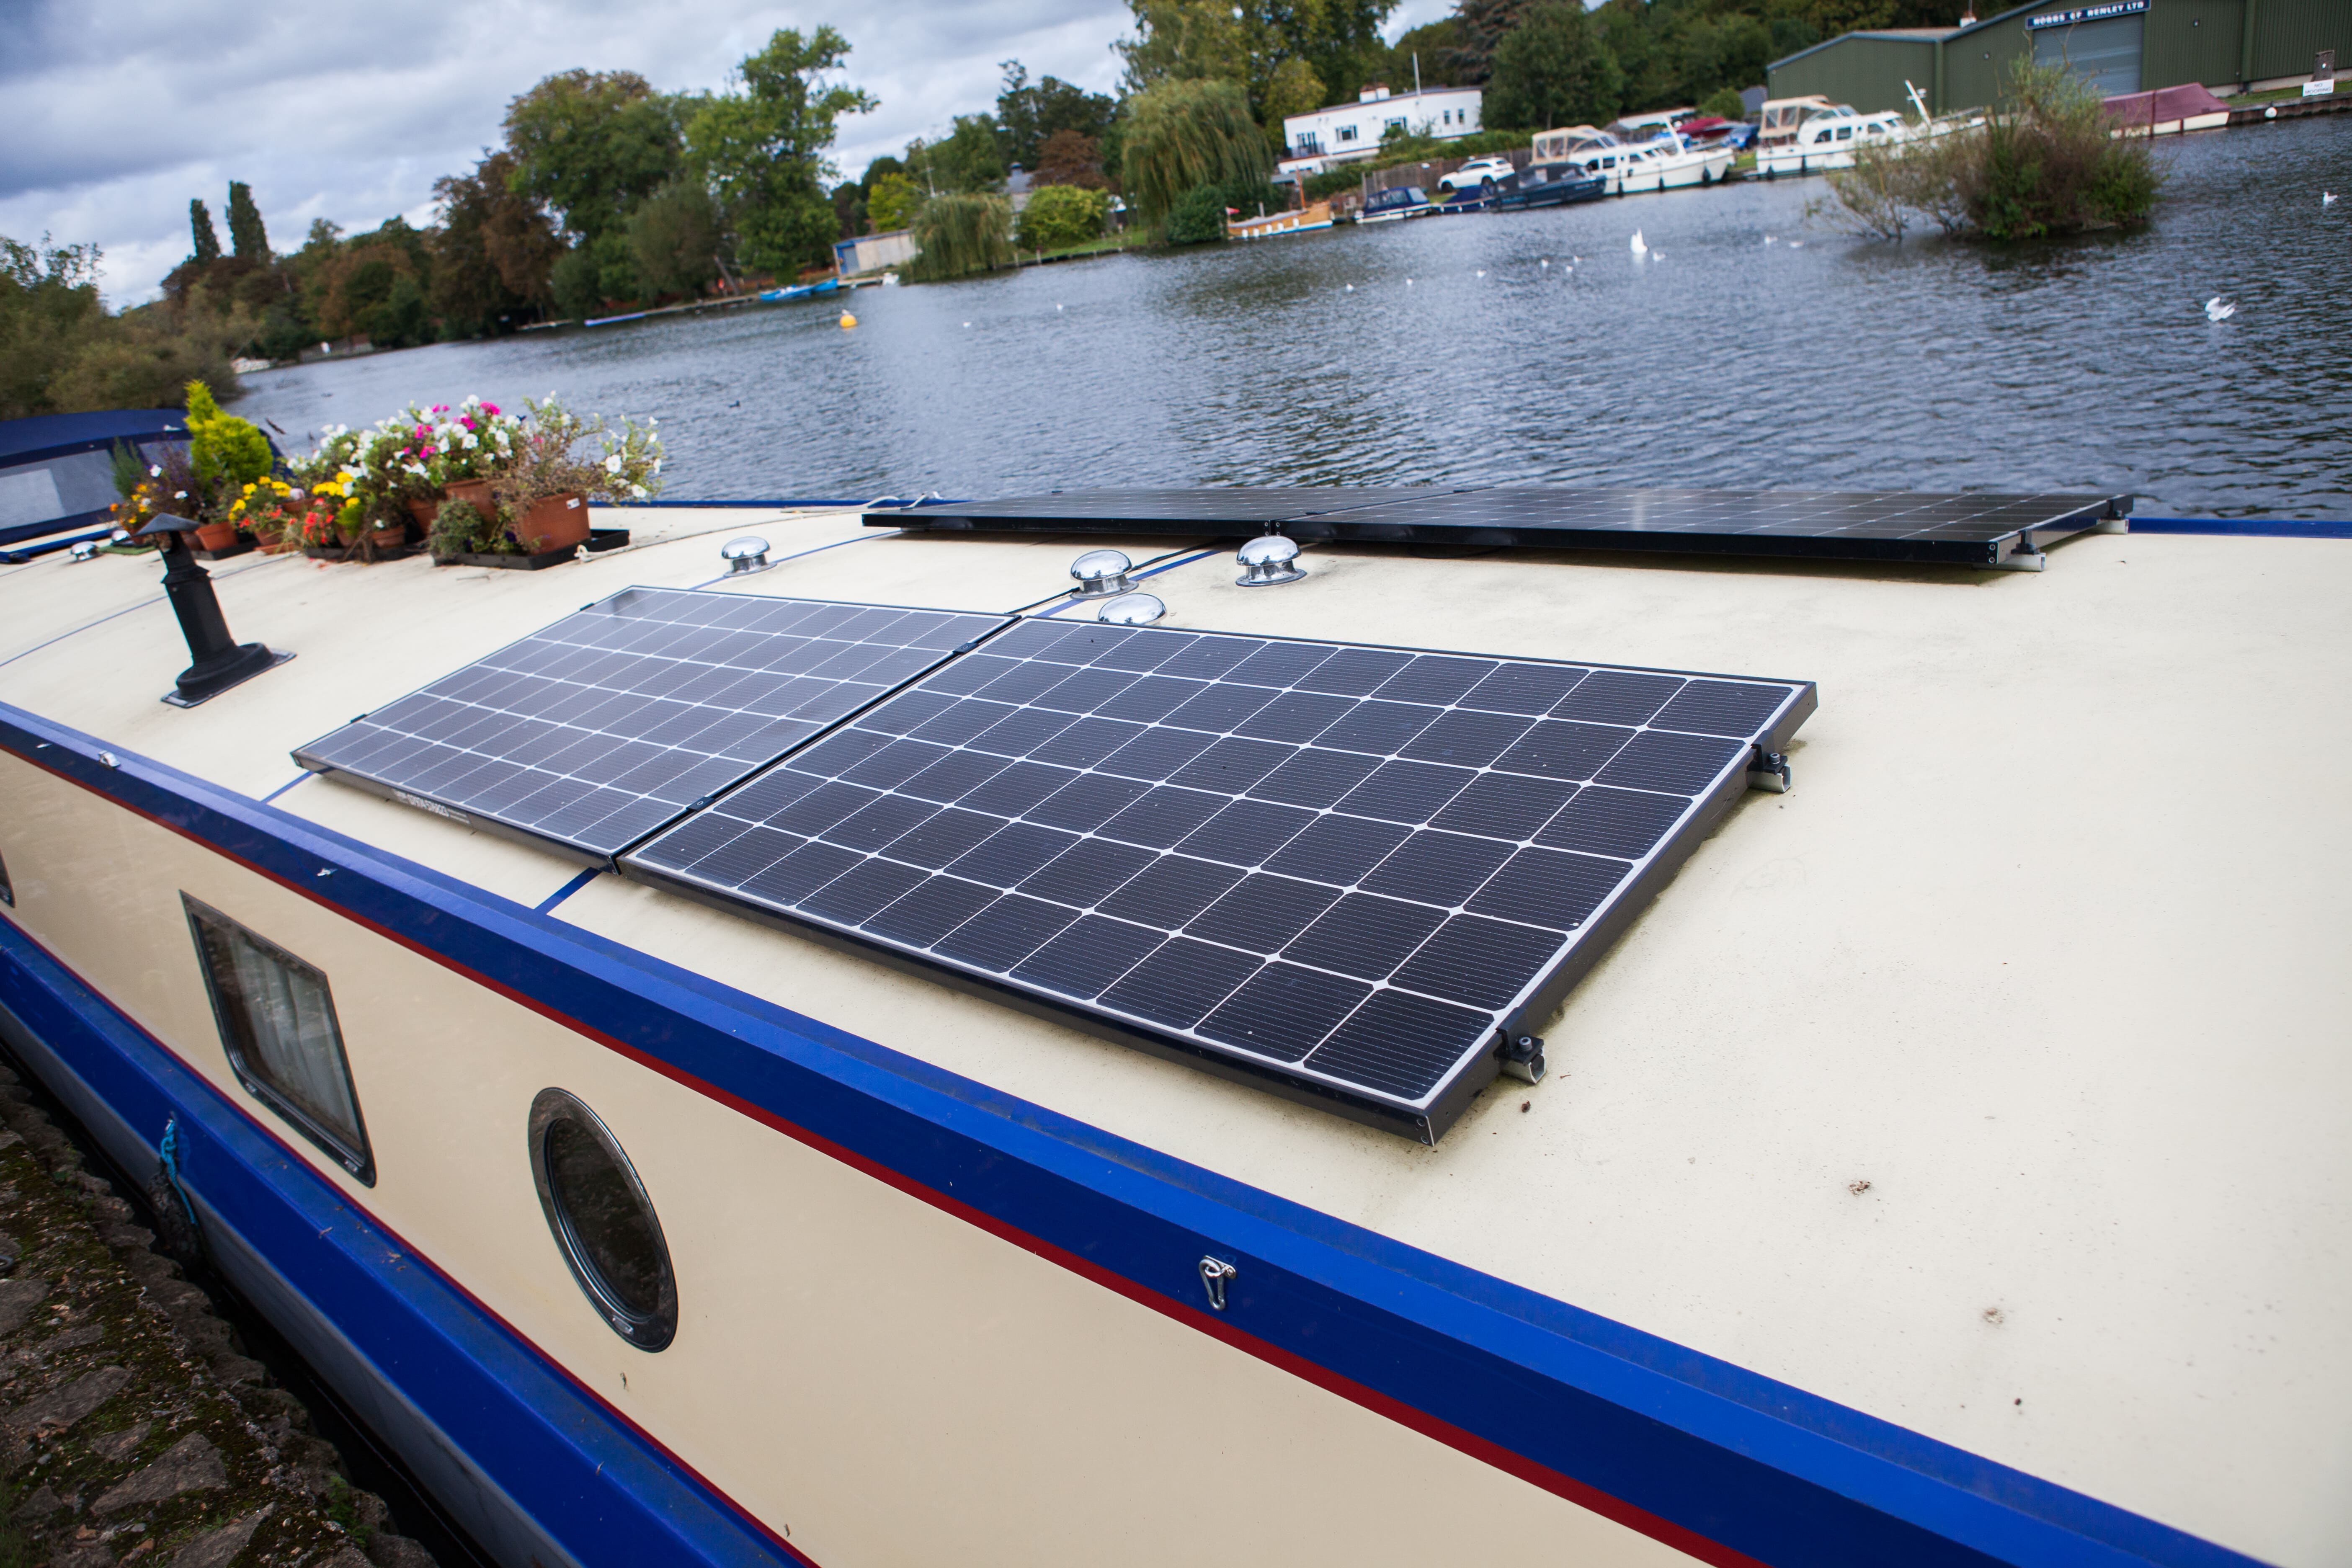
pixel 473 818
pixel 1469 1075
pixel 1958 529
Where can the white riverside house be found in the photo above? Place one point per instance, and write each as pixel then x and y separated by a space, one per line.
pixel 1348 132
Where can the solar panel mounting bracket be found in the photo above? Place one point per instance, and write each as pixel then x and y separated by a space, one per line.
pixel 1768 770
pixel 1522 1055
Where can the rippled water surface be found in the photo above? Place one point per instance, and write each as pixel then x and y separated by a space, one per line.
pixel 1753 347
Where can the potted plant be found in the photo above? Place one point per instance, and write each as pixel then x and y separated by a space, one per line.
pixel 225 455
pixel 546 484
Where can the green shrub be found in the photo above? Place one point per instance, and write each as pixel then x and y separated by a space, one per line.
pixel 2042 164
pixel 1724 103
pixel 223 449
pixel 957 235
pixel 1059 216
pixel 1198 218
pixel 459 527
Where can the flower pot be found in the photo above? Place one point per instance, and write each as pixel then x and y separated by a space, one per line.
pixel 558 522
pixel 216 536
pixel 388 538
pixel 474 493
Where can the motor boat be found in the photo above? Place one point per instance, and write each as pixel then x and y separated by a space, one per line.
pixel 1660 164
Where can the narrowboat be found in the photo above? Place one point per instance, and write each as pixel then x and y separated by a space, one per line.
pixel 1337 1027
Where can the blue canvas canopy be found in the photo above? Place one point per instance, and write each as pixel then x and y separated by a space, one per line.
pixel 57 472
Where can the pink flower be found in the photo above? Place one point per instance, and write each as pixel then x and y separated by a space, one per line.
pixel 491 409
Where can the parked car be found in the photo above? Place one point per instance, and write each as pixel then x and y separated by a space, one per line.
pixel 1482 174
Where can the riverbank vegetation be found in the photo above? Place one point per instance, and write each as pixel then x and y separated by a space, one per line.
pixel 2042 164
pixel 608 194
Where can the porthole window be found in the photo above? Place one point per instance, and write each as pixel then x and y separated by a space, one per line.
pixel 602 1220
pixel 277 1025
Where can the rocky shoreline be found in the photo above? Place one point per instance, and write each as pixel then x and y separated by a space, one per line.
pixel 133 1427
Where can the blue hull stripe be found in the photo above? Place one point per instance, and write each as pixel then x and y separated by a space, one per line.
pixel 1715 1461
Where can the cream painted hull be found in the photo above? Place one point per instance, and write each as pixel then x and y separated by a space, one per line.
pixel 873 1377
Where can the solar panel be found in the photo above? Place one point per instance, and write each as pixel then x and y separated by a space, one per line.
pixel 592 734
pixel 1344 872
pixel 1959 529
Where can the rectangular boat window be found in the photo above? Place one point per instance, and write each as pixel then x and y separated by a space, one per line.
pixel 7 888
pixel 278 1023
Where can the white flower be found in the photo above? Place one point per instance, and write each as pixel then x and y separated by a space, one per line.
pixel 637 490
pixel 613 464
pixel 156 472
pixel 658 463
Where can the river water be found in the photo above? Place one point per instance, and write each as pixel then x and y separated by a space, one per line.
pixel 1753 346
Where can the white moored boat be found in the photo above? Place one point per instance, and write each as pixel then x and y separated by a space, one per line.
pixel 716 1066
pixel 1663 163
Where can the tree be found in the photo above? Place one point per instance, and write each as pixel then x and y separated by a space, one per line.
pixel 1195 40
pixel 960 234
pixel 891 201
pixel 207 239
pixel 970 159
pixel 764 149
pixel 1553 68
pixel 849 207
pixel 1071 158
pixel 1435 47
pixel 591 145
pixel 246 232
pixel 60 352
pixel 1185 133
pixel 674 238
pixel 1029 114
pixel 1294 89
pixel 1480 27
pixel 492 251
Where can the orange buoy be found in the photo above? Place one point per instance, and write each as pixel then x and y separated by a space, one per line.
pixel 847 320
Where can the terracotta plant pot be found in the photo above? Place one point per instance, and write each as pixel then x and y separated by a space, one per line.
pixel 558 522
pixel 388 538
pixel 474 493
pixel 424 510
pixel 221 535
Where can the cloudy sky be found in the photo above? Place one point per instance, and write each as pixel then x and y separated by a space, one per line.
pixel 118 111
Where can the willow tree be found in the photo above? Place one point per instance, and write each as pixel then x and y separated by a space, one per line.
pixel 1185 133
pixel 958 235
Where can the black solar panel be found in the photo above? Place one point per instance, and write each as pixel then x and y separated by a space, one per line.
pixel 1961 528
pixel 597 731
pixel 1344 872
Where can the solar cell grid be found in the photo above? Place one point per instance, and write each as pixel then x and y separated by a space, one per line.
pixel 1979 529
pixel 600 729
pixel 1356 864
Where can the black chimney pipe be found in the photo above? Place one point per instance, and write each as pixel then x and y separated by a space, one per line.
pixel 221 661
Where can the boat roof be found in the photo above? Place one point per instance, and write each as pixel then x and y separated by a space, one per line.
pixel 1991 1081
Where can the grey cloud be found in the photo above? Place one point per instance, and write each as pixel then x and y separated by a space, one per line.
pixel 120 111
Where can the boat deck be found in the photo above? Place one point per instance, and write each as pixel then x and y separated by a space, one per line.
pixel 1991 1081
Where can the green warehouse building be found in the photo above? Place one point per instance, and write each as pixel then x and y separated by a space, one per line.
pixel 2123 46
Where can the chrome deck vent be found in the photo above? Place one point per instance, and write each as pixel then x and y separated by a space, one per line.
pixel 745 556
pixel 1131 610
pixel 1268 561
pixel 1101 572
